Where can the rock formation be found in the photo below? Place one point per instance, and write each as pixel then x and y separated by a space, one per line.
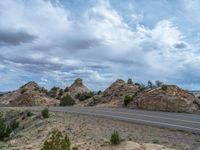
pixel 78 87
pixel 30 94
pixel 114 95
pixel 166 98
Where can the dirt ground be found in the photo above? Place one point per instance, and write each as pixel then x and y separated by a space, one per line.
pixel 93 133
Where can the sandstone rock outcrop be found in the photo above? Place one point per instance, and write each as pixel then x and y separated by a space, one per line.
pixel 114 95
pixel 78 87
pixel 30 94
pixel 168 98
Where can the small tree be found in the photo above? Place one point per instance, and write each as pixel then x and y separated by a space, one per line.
pixel 150 84
pixel 130 81
pixel 66 89
pixel 159 83
pixel 164 87
pixel 61 92
pixel 57 141
pixel 45 113
pixel 67 101
pixel 53 92
pixel 115 139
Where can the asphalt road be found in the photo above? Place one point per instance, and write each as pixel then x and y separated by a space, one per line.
pixel 177 121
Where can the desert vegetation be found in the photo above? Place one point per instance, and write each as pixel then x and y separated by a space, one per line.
pixel 45 113
pixel 67 101
pixel 115 138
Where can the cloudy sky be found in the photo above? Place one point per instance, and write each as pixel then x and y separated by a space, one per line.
pixel 53 42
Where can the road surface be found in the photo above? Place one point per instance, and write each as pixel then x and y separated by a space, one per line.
pixel 177 121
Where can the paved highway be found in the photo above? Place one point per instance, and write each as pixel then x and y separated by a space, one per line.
pixel 177 121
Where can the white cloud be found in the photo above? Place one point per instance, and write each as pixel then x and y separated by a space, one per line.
pixel 99 47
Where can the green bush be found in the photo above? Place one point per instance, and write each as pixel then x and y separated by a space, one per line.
pixel 67 101
pixel 5 129
pixel 53 92
pixel 45 113
pixel 164 87
pixel 61 92
pixel 127 100
pixel 115 139
pixel 84 96
pixel 75 148
pixel 29 113
pixel 57 141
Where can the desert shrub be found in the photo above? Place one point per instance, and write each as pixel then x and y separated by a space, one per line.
pixel 45 113
pixel 127 100
pixel 164 87
pixel 57 141
pixel 41 90
pixel 67 101
pixel 14 124
pixel 23 91
pixel 5 129
pixel 84 96
pixel 29 113
pixel 2 127
pixel 198 97
pixel 115 139
pixel 75 148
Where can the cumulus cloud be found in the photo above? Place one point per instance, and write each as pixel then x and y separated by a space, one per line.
pixel 47 44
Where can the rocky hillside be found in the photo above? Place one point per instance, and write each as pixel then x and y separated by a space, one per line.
pixel 114 95
pixel 30 94
pixel 77 91
pixel 166 98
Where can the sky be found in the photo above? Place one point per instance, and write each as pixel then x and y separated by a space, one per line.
pixel 54 42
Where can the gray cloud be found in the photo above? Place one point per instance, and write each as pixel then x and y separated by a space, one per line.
pixel 180 45
pixel 15 37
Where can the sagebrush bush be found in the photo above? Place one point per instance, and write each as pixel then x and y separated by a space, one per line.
pixel 45 113
pixel 67 101
pixel 127 100
pixel 57 141
pixel 115 138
